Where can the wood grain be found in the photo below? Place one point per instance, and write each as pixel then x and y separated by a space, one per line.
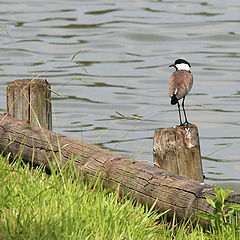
pixel 177 150
pixel 30 100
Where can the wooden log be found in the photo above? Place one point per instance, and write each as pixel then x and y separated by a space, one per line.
pixel 29 100
pixel 144 182
pixel 177 150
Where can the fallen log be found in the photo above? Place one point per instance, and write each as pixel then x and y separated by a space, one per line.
pixel 144 182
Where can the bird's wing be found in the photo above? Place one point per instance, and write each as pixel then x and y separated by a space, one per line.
pixel 180 83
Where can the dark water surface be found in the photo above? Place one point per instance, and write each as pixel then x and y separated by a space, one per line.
pixel 126 47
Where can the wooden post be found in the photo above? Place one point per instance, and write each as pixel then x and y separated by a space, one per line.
pixel 29 100
pixel 177 150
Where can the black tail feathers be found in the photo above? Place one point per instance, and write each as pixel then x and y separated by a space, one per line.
pixel 174 100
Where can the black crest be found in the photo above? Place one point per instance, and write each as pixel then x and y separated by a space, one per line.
pixel 179 61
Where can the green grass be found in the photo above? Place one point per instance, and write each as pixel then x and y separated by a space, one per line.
pixel 34 205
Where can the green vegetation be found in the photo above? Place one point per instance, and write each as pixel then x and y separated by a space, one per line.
pixel 225 222
pixel 34 205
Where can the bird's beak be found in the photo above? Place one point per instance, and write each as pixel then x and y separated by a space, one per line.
pixel 172 65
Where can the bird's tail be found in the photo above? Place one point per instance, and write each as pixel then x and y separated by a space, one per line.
pixel 174 100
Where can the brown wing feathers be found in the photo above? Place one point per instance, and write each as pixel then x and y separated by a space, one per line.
pixel 180 83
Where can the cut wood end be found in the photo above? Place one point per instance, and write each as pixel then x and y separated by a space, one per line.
pixel 187 134
pixel 33 81
pixel 177 128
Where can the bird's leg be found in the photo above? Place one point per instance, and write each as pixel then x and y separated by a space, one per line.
pixel 186 121
pixel 179 112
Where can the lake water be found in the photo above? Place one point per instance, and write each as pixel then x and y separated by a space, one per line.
pixel 126 48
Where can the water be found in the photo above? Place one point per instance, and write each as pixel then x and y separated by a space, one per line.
pixel 126 47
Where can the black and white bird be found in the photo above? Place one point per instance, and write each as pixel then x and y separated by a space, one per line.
pixel 180 83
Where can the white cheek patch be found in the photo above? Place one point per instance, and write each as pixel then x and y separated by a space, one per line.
pixel 183 66
pixel 175 92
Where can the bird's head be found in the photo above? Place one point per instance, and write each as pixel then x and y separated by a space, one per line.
pixel 181 64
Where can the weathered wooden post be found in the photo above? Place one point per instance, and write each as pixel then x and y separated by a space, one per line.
pixel 177 150
pixel 29 100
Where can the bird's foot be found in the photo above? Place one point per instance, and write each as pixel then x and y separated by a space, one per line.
pixel 184 124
